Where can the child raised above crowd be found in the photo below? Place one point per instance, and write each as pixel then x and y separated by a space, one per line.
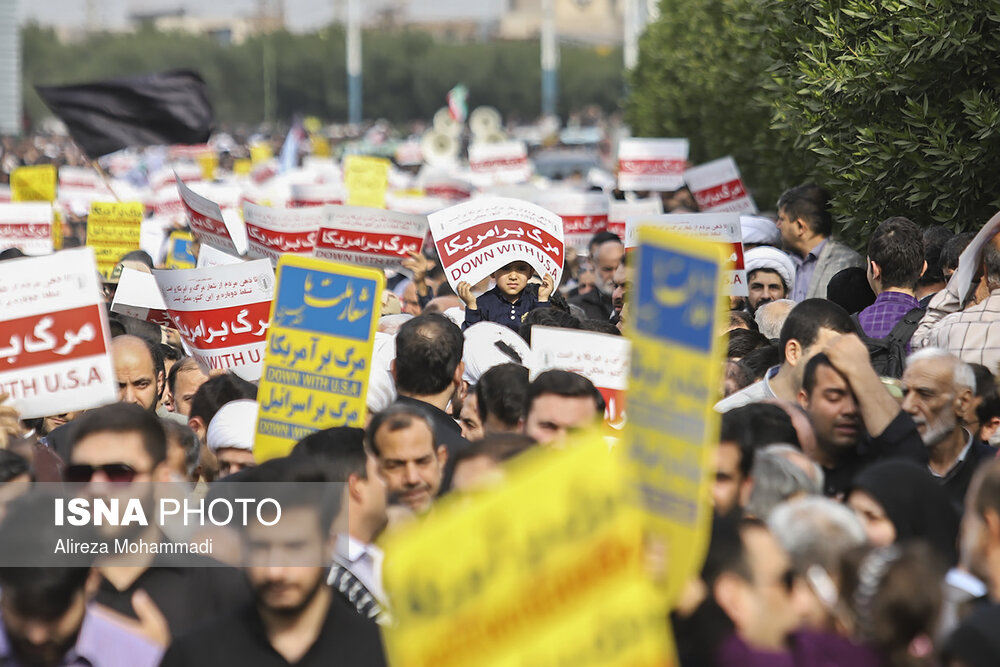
pixel 510 300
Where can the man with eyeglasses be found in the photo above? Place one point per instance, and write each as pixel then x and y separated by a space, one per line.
pixel 123 443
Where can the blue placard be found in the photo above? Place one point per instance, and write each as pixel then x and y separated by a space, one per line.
pixel 325 303
pixel 676 297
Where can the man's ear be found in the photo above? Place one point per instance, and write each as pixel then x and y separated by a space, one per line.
pixel 354 482
pixel 992 521
pixel 876 270
pixel 924 269
pixel 803 399
pixel 197 424
pixel 793 352
pixel 392 369
pixel 161 384
pixel 442 455
pixel 963 398
pixel 457 377
pixel 730 594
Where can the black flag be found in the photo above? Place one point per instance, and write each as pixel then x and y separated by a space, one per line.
pixel 106 116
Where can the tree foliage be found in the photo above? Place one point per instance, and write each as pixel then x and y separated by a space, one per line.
pixel 407 75
pixel 894 105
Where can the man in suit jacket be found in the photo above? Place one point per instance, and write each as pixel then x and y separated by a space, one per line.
pixel 806 224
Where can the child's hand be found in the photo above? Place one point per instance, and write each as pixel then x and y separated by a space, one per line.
pixel 466 295
pixel 546 288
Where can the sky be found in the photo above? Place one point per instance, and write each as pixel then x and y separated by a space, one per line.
pixel 300 15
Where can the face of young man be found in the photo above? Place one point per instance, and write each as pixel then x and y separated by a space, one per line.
pixel 39 641
pixel 410 464
pixel 833 411
pixel 764 286
pixel 186 384
pixel 552 416
pixel 137 379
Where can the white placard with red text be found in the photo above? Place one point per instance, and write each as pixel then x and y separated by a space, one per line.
pixel 138 296
pixel 271 232
pixel 54 335
pixel 721 227
pixel 499 163
pixel 583 214
pixel 370 236
pixel 206 221
pixel 222 313
pixel 28 226
pixel 601 358
pixel 717 188
pixel 652 164
pixel 304 195
pixel 620 211
pixel 477 237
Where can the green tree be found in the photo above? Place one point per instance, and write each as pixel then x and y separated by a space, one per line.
pixel 898 102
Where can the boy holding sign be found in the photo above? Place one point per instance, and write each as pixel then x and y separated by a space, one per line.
pixel 510 300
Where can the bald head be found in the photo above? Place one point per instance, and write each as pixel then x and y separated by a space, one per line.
pixel 137 370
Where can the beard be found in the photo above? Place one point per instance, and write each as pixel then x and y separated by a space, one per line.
pixel 937 430
pixel 47 654
pixel 262 593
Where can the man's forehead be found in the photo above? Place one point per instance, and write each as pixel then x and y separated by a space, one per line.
pixel 937 372
pixel 828 377
pixel 762 274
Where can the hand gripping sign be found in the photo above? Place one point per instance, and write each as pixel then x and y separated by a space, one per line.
pixel 54 335
pixel 718 188
pixel 477 237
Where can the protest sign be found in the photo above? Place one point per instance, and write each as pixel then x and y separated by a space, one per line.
pixel 583 214
pixel 138 296
pixel 180 251
pixel 206 221
pixel 723 228
pixel 208 162
pixel 113 229
pixel 961 282
pixel 319 351
pixel 260 153
pixel 601 358
pixel 242 166
pixel 27 226
pixel 272 232
pixel 675 310
pixel 652 164
pixel 54 334
pixel 222 313
pixel 557 581
pixel 35 183
pixel 620 211
pixel 316 194
pixel 477 237
pixel 84 178
pixel 367 179
pixel 209 257
pixel 373 237
pixel 718 188
pixel 504 162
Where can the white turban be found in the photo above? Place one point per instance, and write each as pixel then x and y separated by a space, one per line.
pixel 772 259
pixel 482 351
pixel 234 425
pixel 381 387
pixel 757 229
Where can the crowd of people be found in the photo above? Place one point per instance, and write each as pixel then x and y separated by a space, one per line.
pixel 856 498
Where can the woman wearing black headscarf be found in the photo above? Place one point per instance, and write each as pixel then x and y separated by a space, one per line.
pixel 898 500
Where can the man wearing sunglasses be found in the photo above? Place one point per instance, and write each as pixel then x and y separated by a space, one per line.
pixel 124 443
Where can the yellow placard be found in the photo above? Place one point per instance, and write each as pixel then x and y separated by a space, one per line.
pixel 545 569
pixel 181 251
pixel 320 146
pixel 260 153
pixel 675 375
pixel 208 162
pixel 367 179
pixel 319 351
pixel 57 230
pixel 242 166
pixel 113 229
pixel 36 183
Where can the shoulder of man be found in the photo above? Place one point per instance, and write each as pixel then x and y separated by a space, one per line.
pixel 749 394
pixel 834 250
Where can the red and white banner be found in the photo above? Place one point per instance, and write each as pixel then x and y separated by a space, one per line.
pixel 54 335
pixel 138 296
pixel 620 211
pixel 305 195
pixel 206 221
pixel 601 358
pixel 718 188
pixel 28 226
pixel 652 164
pixel 222 313
pixel 79 177
pixel 271 232
pixel 209 257
pixel 721 227
pixel 583 214
pixel 499 163
pixel 370 236
pixel 477 237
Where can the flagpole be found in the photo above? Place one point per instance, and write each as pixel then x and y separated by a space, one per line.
pixel 104 177
pixel 550 59
pixel 353 63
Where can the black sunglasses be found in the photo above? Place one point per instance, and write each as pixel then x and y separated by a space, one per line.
pixel 115 472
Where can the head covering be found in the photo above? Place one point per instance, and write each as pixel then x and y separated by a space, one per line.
pixel 488 344
pixel 234 425
pixel 456 315
pixel 757 229
pixel 381 388
pixel 772 259
pixel 849 289
pixel 914 501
